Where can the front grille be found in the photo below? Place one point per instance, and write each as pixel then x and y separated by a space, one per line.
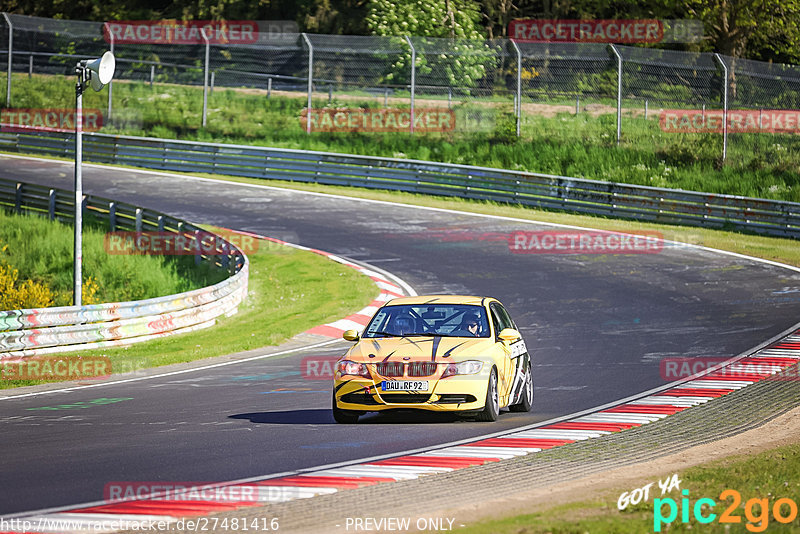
pixel 421 368
pixel 391 369
pixel 406 398
pixel 359 397
pixel 399 369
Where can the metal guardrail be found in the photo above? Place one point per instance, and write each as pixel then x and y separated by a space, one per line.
pixel 770 217
pixel 57 329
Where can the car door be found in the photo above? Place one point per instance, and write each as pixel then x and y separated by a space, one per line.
pixel 502 321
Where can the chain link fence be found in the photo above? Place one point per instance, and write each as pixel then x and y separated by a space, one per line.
pixel 732 109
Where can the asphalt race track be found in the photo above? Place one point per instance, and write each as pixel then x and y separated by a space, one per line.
pixel 598 326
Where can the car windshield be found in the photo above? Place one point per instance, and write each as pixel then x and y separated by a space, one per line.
pixel 450 320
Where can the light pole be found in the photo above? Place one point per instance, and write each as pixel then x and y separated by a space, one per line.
pixel 98 72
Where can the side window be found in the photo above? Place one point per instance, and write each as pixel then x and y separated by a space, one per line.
pixel 500 318
pixel 507 317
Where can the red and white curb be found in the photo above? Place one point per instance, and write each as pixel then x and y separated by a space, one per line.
pixel 155 509
pixel 359 320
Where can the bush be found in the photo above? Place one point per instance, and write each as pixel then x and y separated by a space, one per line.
pixel 28 294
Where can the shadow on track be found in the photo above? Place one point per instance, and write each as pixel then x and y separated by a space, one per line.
pixel 324 417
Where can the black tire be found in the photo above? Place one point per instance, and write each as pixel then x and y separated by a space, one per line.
pixel 526 401
pixel 491 410
pixel 343 417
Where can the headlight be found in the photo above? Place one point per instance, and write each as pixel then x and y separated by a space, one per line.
pixel 347 367
pixel 470 367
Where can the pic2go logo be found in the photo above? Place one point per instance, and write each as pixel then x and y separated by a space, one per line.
pixel 756 511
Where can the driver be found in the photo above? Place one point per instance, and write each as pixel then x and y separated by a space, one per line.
pixel 471 325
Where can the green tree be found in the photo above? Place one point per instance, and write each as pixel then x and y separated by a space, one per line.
pixel 766 29
pixel 334 16
pixel 497 14
pixel 458 19
pixel 467 56
pixel 104 10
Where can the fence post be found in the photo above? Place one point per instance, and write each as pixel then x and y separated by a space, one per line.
pixel 152 75
pixel 30 67
pixel 724 105
pixel 269 87
pixel 413 77
pixel 198 251
pixel 18 198
pixel 619 89
pixel 518 110
pixel 112 216
pixel 225 256
pixel 111 83
pixel 205 75
pixel 310 89
pixel 10 58
pixel 51 205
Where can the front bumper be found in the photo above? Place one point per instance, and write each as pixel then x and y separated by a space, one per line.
pixel 460 393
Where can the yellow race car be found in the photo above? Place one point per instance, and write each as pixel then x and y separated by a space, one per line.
pixel 439 353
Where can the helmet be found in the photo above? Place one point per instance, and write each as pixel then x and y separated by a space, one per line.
pixel 471 320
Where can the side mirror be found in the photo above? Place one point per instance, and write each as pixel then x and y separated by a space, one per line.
pixel 350 335
pixel 509 335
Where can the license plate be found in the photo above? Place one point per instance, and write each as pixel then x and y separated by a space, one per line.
pixel 404 385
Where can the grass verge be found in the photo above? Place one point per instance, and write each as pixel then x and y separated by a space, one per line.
pixel 289 292
pixel 771 475
pixel 583 145
pixel 41 250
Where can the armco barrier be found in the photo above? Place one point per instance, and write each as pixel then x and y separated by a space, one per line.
pixel 58 329
pixel 611 199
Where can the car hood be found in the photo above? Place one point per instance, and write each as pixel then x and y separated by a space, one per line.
pixel 419 348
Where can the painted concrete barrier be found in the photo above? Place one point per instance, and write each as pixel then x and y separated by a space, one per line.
pixel 46 330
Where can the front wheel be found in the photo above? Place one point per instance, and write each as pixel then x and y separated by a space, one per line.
pixel 491 410
pixel 343 417
pixel 526 400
